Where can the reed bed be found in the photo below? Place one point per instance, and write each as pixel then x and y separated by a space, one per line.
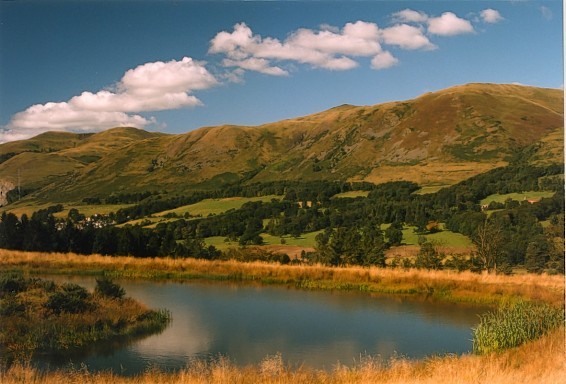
pixel 540 362
pixel 445 285
pixel 513 324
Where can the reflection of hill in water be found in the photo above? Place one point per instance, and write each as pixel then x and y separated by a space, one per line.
pixel 317 328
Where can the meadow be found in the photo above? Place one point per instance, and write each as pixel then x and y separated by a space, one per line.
pixel 527 195
pixel 203 208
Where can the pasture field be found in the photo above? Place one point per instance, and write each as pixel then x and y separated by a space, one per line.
pixel 85 209
pixel 208 207
pixel 352 194
pixel 306 240
pixel 203 208
pixel 431 189
pixel 527 195
pixel 444 238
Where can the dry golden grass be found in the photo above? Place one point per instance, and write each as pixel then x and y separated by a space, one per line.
pixel 542 361
pixel 539 362
pixel 463 286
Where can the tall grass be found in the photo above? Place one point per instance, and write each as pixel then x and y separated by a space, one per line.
pixel 445 285
pixel 540 362
pixel 513 324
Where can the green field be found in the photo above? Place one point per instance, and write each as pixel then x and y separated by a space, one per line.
pixel 352 194
pixel 208 207
pixel 430 189
pixel 87 210
pixel 305 240
pixel 203 208
pixel 444 237
pixel 535 195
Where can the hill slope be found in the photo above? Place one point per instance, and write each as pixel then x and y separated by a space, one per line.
pixel 438 138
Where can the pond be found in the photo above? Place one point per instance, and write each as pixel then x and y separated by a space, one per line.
pixel 248 322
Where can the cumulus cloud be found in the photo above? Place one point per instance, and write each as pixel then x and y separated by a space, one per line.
pixel 328 48
pixel 152 86
pixel 491 16
pixel 407 37
pixel 383 60
pixel 410 16
pixel 448 24
pixel 333 48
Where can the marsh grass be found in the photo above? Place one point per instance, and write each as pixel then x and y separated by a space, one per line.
pixel 444 285
pixel 39 316
pixel 541 362
pixel 513 324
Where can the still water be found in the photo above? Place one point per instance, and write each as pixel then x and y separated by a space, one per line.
pixel 246 323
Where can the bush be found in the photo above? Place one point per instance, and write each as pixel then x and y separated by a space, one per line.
pixel 108 288
pixel 12 284
pixel 72 298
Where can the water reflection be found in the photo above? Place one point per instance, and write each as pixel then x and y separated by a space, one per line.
pixel 246 323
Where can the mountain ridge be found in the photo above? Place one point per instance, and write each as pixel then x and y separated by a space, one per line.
pixel 439 137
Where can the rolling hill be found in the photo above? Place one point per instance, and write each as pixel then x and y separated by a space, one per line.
pixel 436 139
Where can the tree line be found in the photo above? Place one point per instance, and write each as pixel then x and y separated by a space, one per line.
pixel 351 227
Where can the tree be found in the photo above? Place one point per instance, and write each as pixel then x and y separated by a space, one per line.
pixel 536 255
pixel 394 233
pixel 488 239
pixel 428 257
pixel 108 288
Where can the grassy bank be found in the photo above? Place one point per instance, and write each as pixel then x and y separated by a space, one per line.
pixel 540 361
pixel 41 317
pixel 444 285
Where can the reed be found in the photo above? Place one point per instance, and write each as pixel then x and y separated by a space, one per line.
pixel 39 316
pixel 541 361
pixel 444 285
pixel 513 324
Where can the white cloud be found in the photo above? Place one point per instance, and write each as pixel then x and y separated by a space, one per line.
pixel 328 48
pixel 491 16
pixel 406 36
pixel 159 78
pixel 152 86
pixel 448 24
pixel 410 16
pixel 383 60
pixel 255 64
pixel 333 48
pixel 63 116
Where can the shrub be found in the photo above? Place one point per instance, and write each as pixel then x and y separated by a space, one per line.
pixel 12 284
pixel 108 288
pixel 72 298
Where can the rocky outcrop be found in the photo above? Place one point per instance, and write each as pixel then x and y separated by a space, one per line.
pixel 5 187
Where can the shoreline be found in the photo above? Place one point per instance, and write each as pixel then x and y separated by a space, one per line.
pixel 451 286
pixel 542 360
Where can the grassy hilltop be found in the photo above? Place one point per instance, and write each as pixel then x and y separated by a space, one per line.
pixel 439 138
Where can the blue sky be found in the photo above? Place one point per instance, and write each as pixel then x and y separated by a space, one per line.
pixel 177 66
